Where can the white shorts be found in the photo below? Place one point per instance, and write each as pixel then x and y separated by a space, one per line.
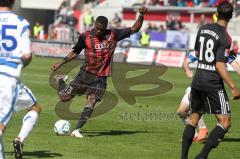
pixel 8 97
pixel 186 97
pixel 25 98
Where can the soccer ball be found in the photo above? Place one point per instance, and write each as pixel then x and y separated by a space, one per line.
pixel 62 127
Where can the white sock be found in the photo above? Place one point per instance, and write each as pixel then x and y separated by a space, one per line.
pixel 29 121
pixel 1 146
pixel 196 134
pixel 201 123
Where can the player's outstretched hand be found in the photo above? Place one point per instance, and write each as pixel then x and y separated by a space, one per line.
pixel 55 66
pixel 143 10
pixel 235 93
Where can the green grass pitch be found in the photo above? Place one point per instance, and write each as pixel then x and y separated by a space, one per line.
pixel 125 132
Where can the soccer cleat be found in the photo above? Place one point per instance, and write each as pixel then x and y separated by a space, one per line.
pixel 195 136
pixel 202 134
pixel 18 148
pixel 76 133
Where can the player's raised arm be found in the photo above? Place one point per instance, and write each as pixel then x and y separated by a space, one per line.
pixel 138 24
pixel 71 55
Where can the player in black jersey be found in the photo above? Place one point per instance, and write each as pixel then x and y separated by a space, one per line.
pixel 208 94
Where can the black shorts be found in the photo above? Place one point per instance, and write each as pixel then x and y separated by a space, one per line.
pixel 212 102
pixel 87 83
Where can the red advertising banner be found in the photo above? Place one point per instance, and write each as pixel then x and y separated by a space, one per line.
pixel 51 49
pixel 171 58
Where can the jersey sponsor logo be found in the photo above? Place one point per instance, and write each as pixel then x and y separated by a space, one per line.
pixel 101 46
pixel 206 67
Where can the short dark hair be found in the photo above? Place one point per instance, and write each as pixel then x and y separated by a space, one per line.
pixel 102 20
pixel 7 3
pixel 225 10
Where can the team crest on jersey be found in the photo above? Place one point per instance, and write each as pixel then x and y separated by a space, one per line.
pixel 227 52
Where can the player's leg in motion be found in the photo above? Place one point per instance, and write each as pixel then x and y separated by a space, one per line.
pixel 25 100
pixel 219 100
pixel 216 135
pixel 203 131
pixel 95 91
pixel 8 96
pixel 188 134
pixel 86 114
pixel 183 110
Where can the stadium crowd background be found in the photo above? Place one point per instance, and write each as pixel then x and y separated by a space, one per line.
pixel 170 24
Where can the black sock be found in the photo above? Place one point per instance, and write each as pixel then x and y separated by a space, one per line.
pixel 86 114
pixel 214 138
pixel 187 140
pixel 61 85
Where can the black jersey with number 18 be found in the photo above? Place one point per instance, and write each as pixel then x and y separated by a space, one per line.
pixel 213 44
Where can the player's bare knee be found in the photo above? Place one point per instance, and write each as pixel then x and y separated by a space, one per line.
pixel 91 100
pixel 36 107
pixel 181 113
pixel 226 124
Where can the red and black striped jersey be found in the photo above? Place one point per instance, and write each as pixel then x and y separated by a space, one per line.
pixel 99 52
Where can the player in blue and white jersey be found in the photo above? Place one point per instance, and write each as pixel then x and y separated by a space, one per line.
pixel 14 55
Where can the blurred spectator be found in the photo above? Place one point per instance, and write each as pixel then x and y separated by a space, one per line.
pixel 145 38
pixel 203 20
pixel 235 46
pixel 169 22
pixel 88 20
pixel 181 3
pixel 177 23
pixel 62 13
pixel 172 2
pixel 189 3
pixel 151 2
pixel 196 2
pixel 161 28
pixel 211 3
pixel 72 20
pixel 152 27
pixel 41 35
pixel 37 30
pixel 116 21
pixel 52 34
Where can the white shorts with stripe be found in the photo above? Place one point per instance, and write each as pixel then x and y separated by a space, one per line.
pixel 8 97
pixel 25 98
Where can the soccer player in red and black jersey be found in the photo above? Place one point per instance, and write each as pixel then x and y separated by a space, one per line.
pixel 208 95
pixel 99 44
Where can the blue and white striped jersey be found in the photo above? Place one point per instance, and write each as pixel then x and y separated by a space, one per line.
pixel 14 42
